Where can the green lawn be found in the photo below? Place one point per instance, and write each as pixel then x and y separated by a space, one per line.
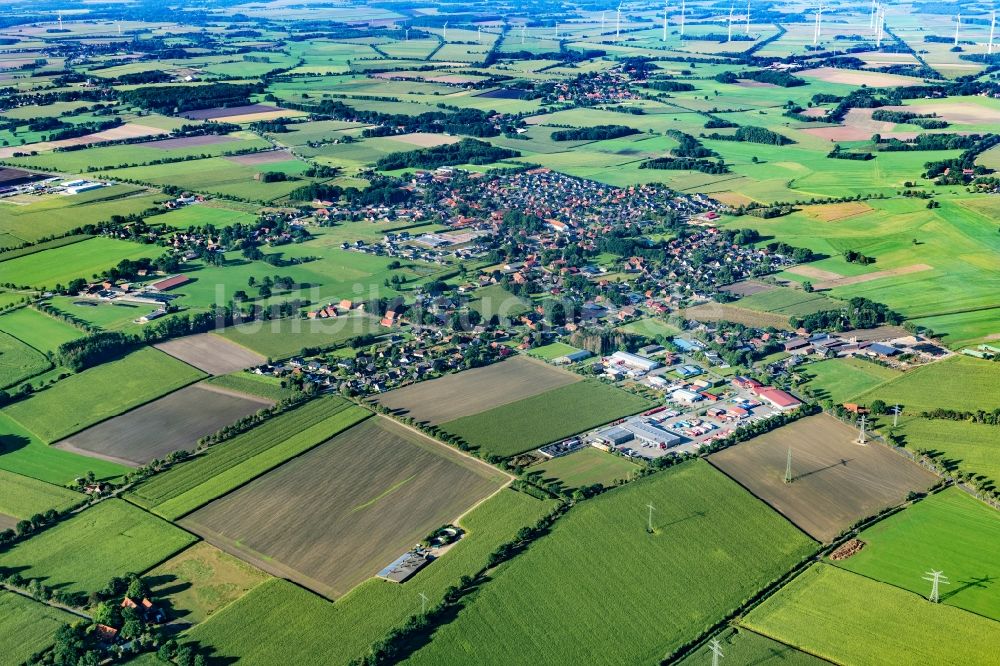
pixel 585 468
pixel 38 329
pixel 27 627
pixel 959 382
pixel 201 215
pixel 101 392
pixel 532 422
pixel 230 464
pixel 495 300
pixel 841 380
pixel 650 328
pixel 609 592
pixel 23 496
pixel 23 453
pixel 107 316
pixel 849 619
pixel 338 633
pixel 82 553
pixel 552 351
pixel 901 548
pixel 61 265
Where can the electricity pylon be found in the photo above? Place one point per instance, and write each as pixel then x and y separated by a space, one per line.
pixel 716 647
pixel 935 578
pixel 788 467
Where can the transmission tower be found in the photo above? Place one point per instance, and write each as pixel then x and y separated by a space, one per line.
pixel 716 647
pixel 788 467
pixel 895 415
pixel 861 432
pixel 651 508
pixel 423 604
pixel 935 578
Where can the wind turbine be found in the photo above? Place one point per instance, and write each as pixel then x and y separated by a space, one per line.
pixel 958 24
pixel 60 20
pixel 729 37
pixel 446 31
pixel 748 18
pixel 993 27
pixel 666 7
pixel 683 12
pixel 618 21
pixel 871 18
pixel 818 31
pixel 603 15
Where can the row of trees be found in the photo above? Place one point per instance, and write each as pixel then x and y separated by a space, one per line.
pixel 859 312
pixel 466 151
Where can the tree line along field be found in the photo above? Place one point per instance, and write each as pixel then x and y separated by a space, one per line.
pixel 230 464
pixel 391 487
pixel 971 447
pixel 82 553
pixel 27 626
pixel 629 596
pixel 948 531
pixel 38 329
pixel 532 422
pixel 340 632
pixel 19 361
pixel 172 423
pixel 68 406
pixel 850 619
pixel 23 496
pixel 835 482
pixel 960 382
pixel 473 391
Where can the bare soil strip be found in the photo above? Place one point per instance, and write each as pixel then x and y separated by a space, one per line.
pixel 868 277
pixel 211 353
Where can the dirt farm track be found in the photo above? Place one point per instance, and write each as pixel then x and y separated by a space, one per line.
pixel 835 482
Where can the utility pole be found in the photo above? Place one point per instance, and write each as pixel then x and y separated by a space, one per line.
pixel 788 467
pixel 716 647
pixel 423 604
pixel 649 528
pixel 935 578
pixel 861 434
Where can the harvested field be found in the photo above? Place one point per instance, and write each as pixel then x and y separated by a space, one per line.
pixel 709 312
pixel 334 516
pixel 814 273
pixel 748 288
pixel 263 157
pixel 7 522
pixel 188 142
pixel 732 198
pixel 10 177
pixel 476 390
pixel 126 131
pixel 959 113
pixel 854 77
pixel 211 353
pixel 226 112
pixel 835 212
pixel 425 139
pixel 173 422
pixel 868 277
pixel 835 482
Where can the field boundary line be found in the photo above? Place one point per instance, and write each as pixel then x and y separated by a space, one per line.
pixel 781 642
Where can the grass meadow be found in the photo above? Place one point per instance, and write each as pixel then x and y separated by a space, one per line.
pixel 69 405
pixel 82 553
pixel 840 380
pixel 38 329
pixel 850 619
pixel 971 447
pixel 948 531
pixel 552 351
pixel 960 382
pixel 751 648
pixel 281 338
pixel 62 265
pixel 27 627
pixel 599 562
pixel 532 422
pixel 19 361
pixel 23 496
pixel 584 468
pixel 262 386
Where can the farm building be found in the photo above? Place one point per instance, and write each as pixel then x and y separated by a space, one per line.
pixel 880 349
pixel 633 361
pixel 169 283
pixel 779 399
pixel 404 566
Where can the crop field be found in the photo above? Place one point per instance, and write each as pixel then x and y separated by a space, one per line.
pixel 959 382
pixel 262 386
pixel 23 453
pixel 391 486
pixel 900 548
pixel 370 610
pixel 33 217
pixel 751 648
pixel 584 468
pixel 38 329
pixel 211 353
pixel 850 619
pixel 281 338
pixel 61 265
pixel 835 482
pixel 528 423
pixel 201 215
pixel 19 361
pixel 82 553
pixel 704 525
pixel 472 391
pixel 225 467
pixel 23 496
pixel 711 312
pixel 964 328
pixel 69 406
pixel 786 301
pixel 27 626
pixel 972 447
pixel 201 580
pixel 172 423
pixel 839 380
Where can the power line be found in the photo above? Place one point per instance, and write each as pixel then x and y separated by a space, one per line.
pixel 423 604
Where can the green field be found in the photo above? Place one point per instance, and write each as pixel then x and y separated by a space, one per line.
pixel 231 464
pixel 337 633
pixel 964 328
pixel 27 627
pixel 972 447
pixel 585 468
pixel 532 422
pixel 494 300
pixel 19 361
pixel 101 392
pixel 840 380
pixel 281 338
pixel 552 351
pixel 22 453
pixel 959 382
pixel 602 574
pixel 901 548
pixel 81 554
pixel 850 619
pixel 202 215
pixel 746 647
pixel 784 300
pixel 259 385
pixel 23 496
pixel 650 328
pixel 61 265
pixel 38 329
